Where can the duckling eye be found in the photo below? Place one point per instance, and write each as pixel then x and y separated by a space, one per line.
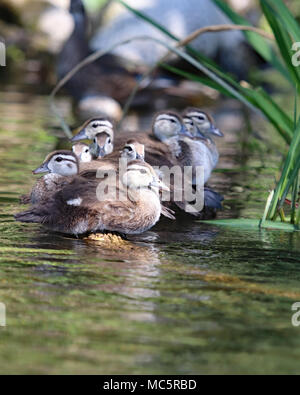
pixel 59 159
pixel 86 151
pixel 201 118
pixel 142 171
pixel 94 125
pixel 108 141
pixel 129 149
pixel 172 120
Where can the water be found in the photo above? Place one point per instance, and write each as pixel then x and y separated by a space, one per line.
pixel 185 297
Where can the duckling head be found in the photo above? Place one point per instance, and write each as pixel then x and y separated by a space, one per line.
pixel 190 126
pixel 64 163
pixel 168 124
pixel 82 151
pixel 102 145
pixel 133 150
pixel 203 122
pixel 140 175
pixel 92 127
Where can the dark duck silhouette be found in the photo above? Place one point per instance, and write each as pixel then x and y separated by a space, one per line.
pixel 105 79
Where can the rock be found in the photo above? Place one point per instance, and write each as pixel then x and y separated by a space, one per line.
pixel 179 17
pixel 93 106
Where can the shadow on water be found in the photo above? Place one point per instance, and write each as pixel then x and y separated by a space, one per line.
pixel 185 297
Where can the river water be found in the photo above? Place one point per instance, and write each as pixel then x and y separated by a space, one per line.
pixel 185 297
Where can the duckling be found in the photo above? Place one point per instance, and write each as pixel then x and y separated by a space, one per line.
pixel 132 207
pixel 133 150
pixel 179 143
pixel 92 127
pixel 163 145
pixel 169 143
pixel 159 142
pixel 82 151
pixel 101 131
pixel 203 122
pixel 102 145
pixel 203 151
pixel 60 166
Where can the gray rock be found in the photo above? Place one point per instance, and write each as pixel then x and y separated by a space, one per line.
pixel 178 16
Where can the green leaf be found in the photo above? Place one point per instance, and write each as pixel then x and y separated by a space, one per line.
pixel 284 14
pixel 197 78
pixel 258 42
pixel 251 224
pixel 283 39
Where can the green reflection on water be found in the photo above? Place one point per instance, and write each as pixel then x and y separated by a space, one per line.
pixel 185 298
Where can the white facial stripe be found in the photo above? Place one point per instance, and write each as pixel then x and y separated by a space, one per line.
pixel 68 158
pixel 166 117
pixel 196 114
pixel 104 123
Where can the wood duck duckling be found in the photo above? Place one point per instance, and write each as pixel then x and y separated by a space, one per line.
pixel 102 145
pixel 181 144
pixel 101 131
pixel 61 166
pixel 133 206
pixel 202 148
pixel 202 124
pixel 133 150
pixel 82 151
pixel 92 127
pixel 167 129
pixel 159 142
pixel 163 144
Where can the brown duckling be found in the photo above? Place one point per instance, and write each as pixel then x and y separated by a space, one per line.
pixel 202 148
pixel 159 143
pixel 101 131
pixel 133 150
pixel 164 145
pixel 102 145
pixel 82 151
pixel 61 166
pixel 92 127
pixel 82 206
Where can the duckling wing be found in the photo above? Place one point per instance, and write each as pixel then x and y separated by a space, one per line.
pixel 117 215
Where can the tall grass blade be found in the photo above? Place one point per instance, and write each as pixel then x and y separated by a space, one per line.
pixel 285 16
pixel 283 38
pixel 258 43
